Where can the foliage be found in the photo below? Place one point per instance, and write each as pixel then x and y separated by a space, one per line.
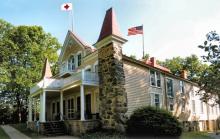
pixel 195 135
pixel 3 135
pixel 146 56
pixel 191 63
pixel 132 56
pixel 23 50
pixel 22 127
pixel 210 79
pixel 150 121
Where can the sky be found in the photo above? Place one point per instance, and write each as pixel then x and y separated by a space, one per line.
pixel 171 27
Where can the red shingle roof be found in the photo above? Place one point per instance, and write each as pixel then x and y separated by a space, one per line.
pixel 109 26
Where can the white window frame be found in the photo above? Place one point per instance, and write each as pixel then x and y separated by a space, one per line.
pixel 94 67
pixel 77 60
pixel 182 88
pixel 201 107
pixel 69 63
pixel 169 96
pixel 155 78
pixel 153 99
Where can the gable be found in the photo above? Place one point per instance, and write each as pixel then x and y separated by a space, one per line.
pixel 72 44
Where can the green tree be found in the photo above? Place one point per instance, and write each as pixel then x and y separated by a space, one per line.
pixel 210 79
pixel 192 64
pixel 23 50
pixel 132 56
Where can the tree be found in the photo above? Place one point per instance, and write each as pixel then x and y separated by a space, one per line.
pixel 146 56
pixel 191 63
pixel 210 79
pixel 132 56
pixel 23 50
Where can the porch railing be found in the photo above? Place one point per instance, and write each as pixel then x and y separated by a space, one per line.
pixel 86 77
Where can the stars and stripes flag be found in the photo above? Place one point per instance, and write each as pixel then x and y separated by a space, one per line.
pixel 135 30
pixel 66 7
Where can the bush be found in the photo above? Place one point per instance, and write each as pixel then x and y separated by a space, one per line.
pixel 150 121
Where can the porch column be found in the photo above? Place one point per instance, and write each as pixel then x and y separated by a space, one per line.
pixel 35 109
pixel 61 106
pixel 30 110
pixel 43 106
pixel 82 100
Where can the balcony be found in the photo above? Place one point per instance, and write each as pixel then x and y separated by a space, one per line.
pixel 85 77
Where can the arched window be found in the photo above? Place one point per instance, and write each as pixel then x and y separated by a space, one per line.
pixel 71 63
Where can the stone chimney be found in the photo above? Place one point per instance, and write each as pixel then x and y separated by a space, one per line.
pixel 184 74
pixel 113 98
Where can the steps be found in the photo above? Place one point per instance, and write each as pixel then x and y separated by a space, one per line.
pixel 54 128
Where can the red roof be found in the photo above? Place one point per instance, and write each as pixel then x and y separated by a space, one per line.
pixel 109 26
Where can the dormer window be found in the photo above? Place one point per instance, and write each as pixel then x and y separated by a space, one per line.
pixel 79 56
pixel 71 63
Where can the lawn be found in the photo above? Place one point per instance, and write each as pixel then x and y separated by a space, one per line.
pixel 23 128
pixel 3 135
pixel 195 135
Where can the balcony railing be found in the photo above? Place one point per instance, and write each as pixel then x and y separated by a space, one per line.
pixel 86 77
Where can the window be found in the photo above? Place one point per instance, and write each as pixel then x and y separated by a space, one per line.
pixel 155 78
pixel 181 87
pixel 78 104
pixel 79 59
pixel 64 107
pixel 202 110
pixel 193 106
pixel 58 107
pixel 70 108
pixel 88 103
pixel 171 104
pixel 53 108
pixel 96 68
pixel 157 100
pixel 170 88
pixel 71 63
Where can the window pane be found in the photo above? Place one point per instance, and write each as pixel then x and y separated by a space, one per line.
pixel 158 79
pixel 170 87
pixel 193 106
pixel 157 100
pixel 152 78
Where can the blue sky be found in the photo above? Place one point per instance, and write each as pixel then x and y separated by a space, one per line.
pixel 171 27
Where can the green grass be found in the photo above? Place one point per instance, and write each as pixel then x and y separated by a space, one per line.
pixel 195 135
pixel 23 129
pixel 3 135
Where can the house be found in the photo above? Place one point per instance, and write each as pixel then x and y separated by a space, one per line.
pixel 101 85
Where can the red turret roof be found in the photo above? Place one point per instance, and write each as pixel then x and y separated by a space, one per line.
pixel 46 73
pixel 109 26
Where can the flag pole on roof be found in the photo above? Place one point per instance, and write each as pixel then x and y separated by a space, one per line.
pixel 137 30
pixel 68 7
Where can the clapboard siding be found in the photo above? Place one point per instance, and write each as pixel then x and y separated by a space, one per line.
pixel 136 85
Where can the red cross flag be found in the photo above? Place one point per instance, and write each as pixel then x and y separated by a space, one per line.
pixel 66 7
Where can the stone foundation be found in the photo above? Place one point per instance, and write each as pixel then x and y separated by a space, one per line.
pixel 77 127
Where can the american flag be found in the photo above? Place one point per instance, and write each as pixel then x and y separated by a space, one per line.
pixel 135 30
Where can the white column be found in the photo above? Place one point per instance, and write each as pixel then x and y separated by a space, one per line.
pixel 30 110
pixel 82 100
pixel 61 105
pixel 43 106
pixel 35 109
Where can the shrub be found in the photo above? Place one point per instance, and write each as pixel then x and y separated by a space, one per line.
pixel 150 121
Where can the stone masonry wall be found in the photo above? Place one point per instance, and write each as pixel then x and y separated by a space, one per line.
pixel 113 98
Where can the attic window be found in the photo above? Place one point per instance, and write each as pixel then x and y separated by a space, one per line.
pixel 71 63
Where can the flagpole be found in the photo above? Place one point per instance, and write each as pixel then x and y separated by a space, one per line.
pixel 143 39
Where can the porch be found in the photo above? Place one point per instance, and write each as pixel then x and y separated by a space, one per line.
pixel 73 99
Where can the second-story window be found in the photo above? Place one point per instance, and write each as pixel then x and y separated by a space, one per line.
pixel 181 87
pixel 71 63
pixel 79 56
pixel 155 78
pixel 170 88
